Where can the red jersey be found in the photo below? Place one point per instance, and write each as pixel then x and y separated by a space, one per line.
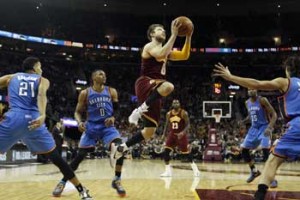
pixel 153 69
pixel 176 120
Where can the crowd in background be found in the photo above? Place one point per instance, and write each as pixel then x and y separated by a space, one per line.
pixel 193 85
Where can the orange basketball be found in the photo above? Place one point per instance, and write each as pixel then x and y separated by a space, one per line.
pixel 186 27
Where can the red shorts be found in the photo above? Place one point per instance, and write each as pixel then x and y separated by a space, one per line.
pixel 143 87
pixel 173 141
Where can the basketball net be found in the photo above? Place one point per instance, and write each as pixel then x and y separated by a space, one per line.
pixel 217 117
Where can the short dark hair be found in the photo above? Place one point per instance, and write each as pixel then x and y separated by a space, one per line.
pixel 93 74
pixel 29 63
pixel 292 64
pixel 151 29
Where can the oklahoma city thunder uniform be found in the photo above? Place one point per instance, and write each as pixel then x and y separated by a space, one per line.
pixel 153 73
pixel 99 108
pixel 22 92
pixel 259 123
pixel 288 145
pixel 177 125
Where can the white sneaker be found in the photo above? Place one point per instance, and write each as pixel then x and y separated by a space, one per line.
pixel 137 114
pixel 168 172
pixel 168 181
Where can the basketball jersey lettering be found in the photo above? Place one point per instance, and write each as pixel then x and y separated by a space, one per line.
pixel 257 113
pixel 25 88
pixel 99 105
pixel 175 125
pixel 22 90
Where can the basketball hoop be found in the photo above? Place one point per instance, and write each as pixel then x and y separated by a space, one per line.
pixel 217 117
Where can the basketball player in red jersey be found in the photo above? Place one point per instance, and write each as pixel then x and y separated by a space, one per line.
pixel 151 86
pixel 179 120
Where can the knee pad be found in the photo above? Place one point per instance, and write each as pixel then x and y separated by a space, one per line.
pixel 246 155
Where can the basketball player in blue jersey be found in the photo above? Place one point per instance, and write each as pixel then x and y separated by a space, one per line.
pixel 288 146
pixel 260 132
pixel 100 103
pixel 26 116
pixel 152 85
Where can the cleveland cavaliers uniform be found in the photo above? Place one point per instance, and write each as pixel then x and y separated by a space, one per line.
pixel 99 108
pixel 288 145
pixel 22 93
pixel 177 125
pixel 152 74
pixel 259 123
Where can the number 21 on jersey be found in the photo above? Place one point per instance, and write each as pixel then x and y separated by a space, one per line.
pixel 25 88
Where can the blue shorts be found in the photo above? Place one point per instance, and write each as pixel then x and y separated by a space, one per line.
pixel 98 131
pixel 14 127
pixel 288 145
pixel 255 137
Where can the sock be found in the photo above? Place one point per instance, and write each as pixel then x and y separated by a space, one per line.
pixel 137 138
pixel 152 97
pixel 253 169
pixel 79 188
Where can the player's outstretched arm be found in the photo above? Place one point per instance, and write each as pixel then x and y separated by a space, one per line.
pixel 280 84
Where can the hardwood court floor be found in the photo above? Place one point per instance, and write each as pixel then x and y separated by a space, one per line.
pixel 140 179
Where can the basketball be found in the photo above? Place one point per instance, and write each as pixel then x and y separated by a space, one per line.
pixel 186 27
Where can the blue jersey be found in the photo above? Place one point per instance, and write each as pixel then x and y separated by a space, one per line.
pixel 289 102
pixel 22 91
pixel 99 105
pixel 257 113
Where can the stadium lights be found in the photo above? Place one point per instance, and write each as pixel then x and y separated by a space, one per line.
pixel 222 40
pixel 277 40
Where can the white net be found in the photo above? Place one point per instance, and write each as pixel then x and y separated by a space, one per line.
pixel 217 117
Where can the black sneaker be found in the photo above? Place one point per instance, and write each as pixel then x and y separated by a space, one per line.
pixel 116 184
pixel 274 184
pixel 85 195
pixel 253 175
pixel 59 189
pixel 259 196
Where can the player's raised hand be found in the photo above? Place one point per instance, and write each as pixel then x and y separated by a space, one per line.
pixel 36 123
pixel 175 26
pixel 222 71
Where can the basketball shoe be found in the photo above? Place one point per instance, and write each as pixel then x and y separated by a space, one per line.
pixel 253 175
pixel 85 195
pixel 59 189
pixel 274 184
pixel 137 114
pixel 168 172
pixel 116 184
